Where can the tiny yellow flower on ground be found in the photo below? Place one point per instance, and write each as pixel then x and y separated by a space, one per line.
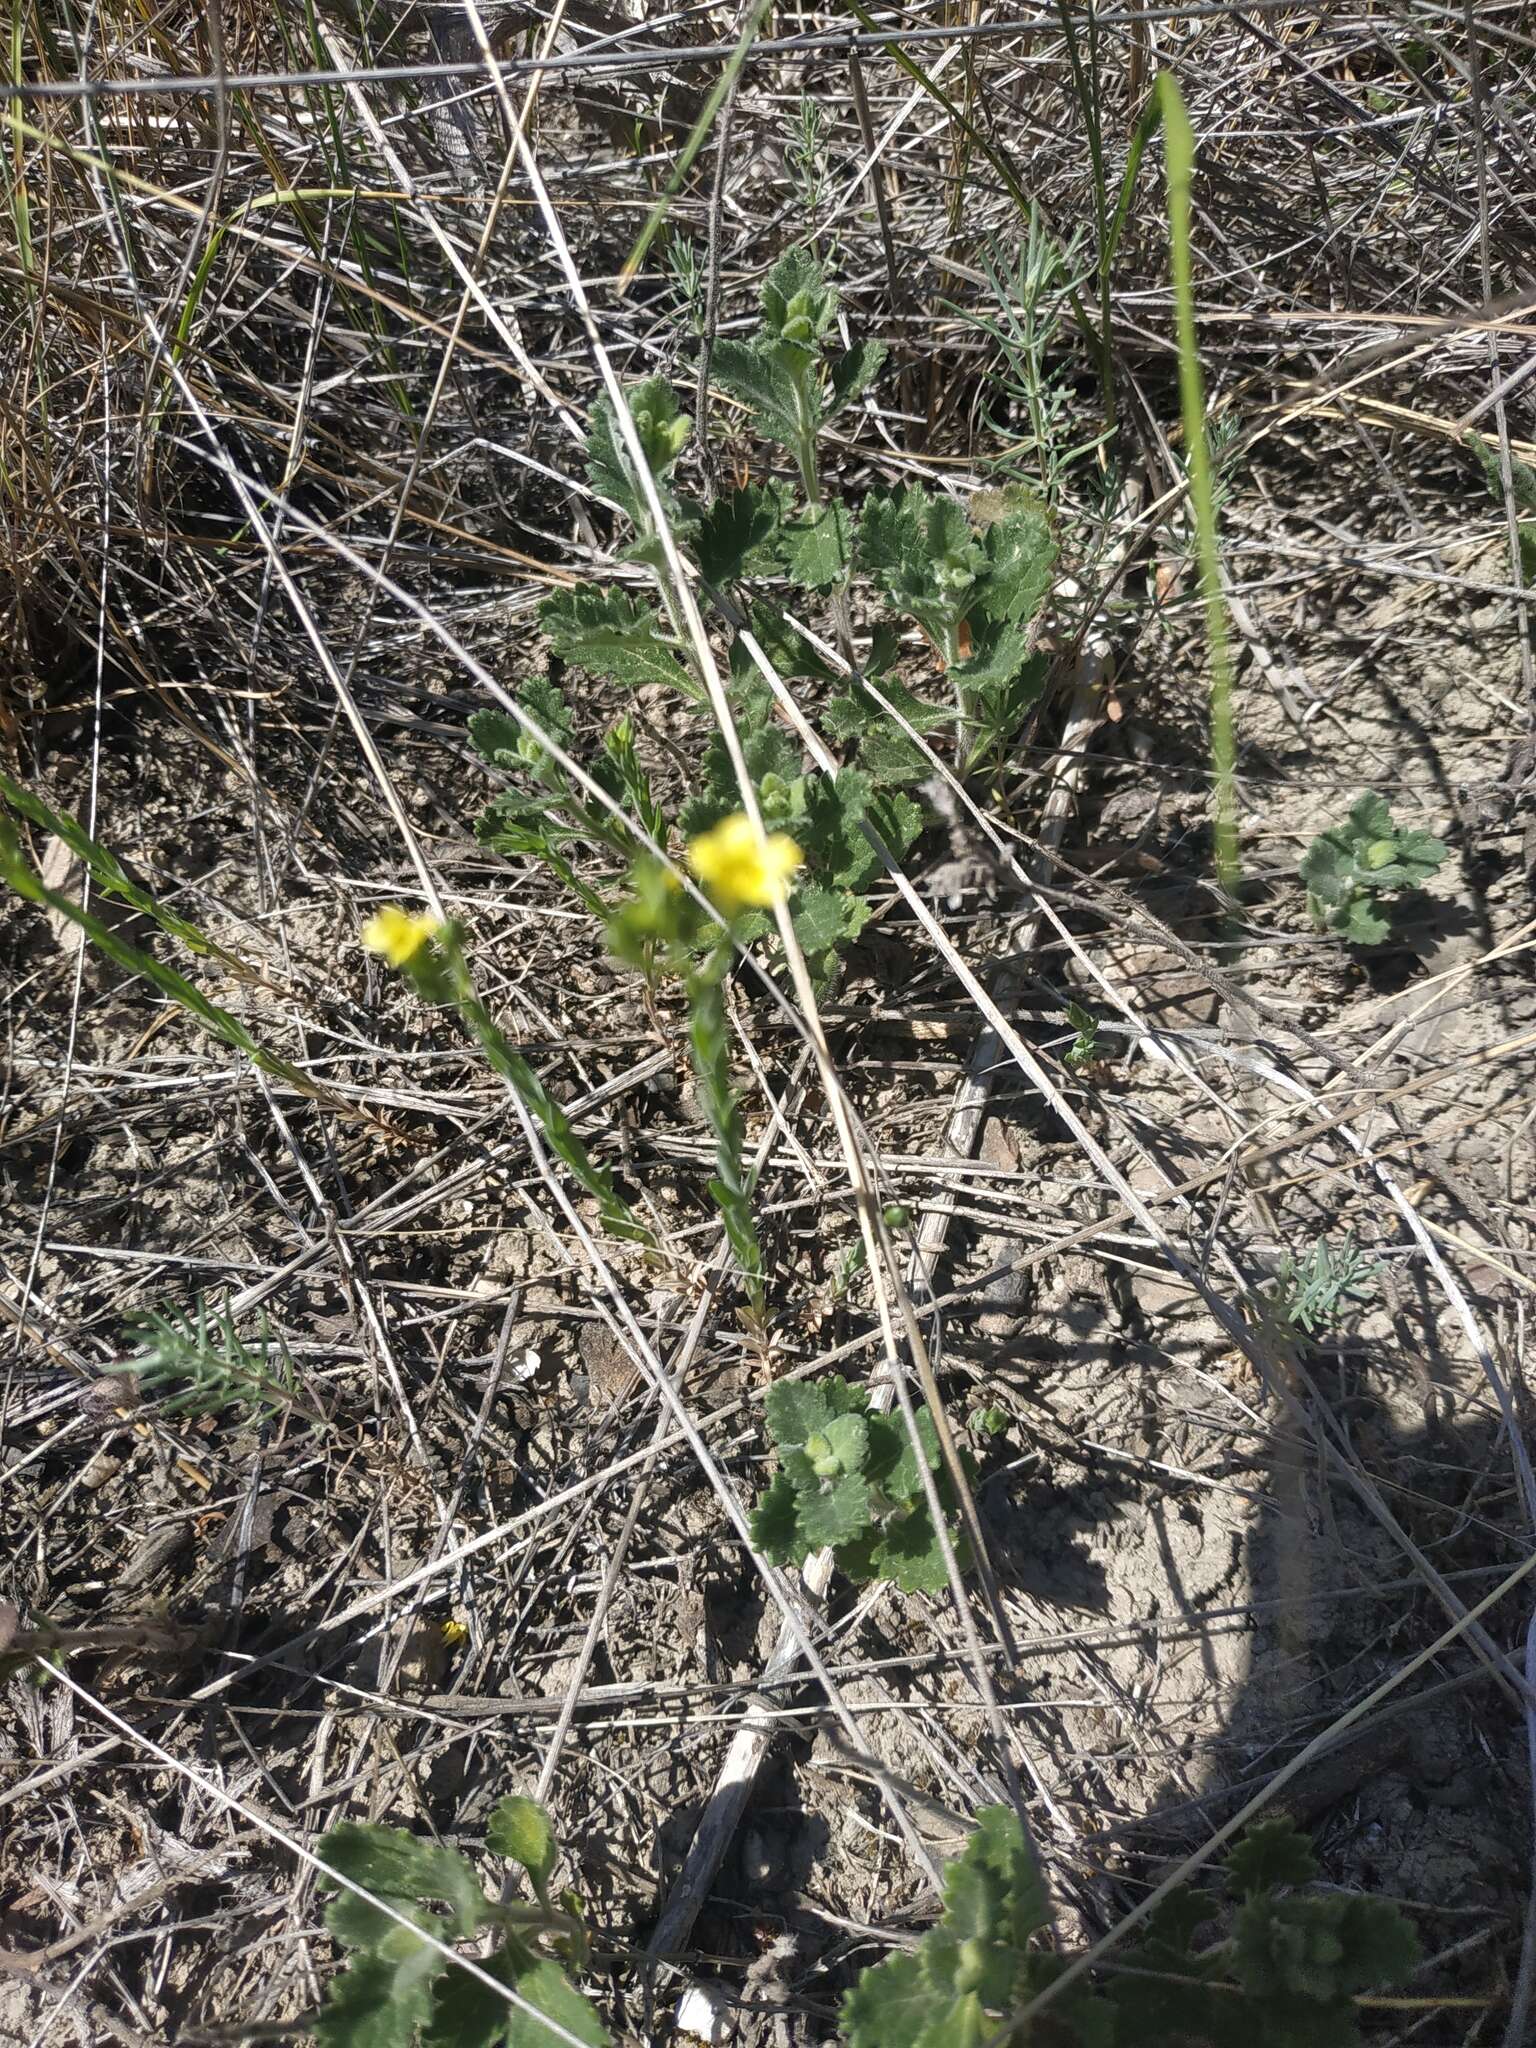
pixel 454 1633
pixel 740 868
pixel 398 935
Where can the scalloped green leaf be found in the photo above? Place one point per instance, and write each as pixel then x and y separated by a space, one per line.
pixel 852 374
pixel 848 1440
pixel 1380 1945
pixel 833 808
pixel 888 757
pixel 375 2005
pixel 467 2013
pixel 1271 1853
pixel 1021 560
pixel 786 647
pixel 897 821
pixel 894 2005
pixel 908 1553
pixel 546 1987
pixel 775 1530
pixel 835 1513
pixel 1000 654
pixel 826 918
pixel 663 430
pixel 892 1460
pixel 798 303
pixel 797 1409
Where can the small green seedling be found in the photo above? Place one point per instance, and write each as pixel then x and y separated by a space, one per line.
pixel 854 1260
pixel 1084 1049
pixel 397 1992
pixel 972 577
pixel 963 1979
pixel 1288 1971
pixel 1310 1291
pixel 1352 868
pixel 200 1364
pixel 848 1479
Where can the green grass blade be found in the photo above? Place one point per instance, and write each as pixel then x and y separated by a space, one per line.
pixel 1179 146
pixel 693 145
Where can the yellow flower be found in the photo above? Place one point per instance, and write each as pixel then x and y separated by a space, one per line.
pixel 740 867
pixel 454 1633
pixel 398 935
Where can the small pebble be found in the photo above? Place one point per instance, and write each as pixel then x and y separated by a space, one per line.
pixel 99 1471
pixel 701 2015
pixel 761 1864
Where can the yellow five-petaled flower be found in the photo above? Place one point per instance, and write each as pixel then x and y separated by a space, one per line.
pixel 398 935
pixel 741 867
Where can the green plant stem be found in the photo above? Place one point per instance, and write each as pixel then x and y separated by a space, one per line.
pixel 807 413
pixel 107 872
pixel 456 986
pixel 709 1040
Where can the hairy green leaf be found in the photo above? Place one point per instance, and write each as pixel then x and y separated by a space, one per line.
pixel 888 757
pixel 611 634
pixel 763 385
pixel 799 306
pixel 818 547
pixel 826 918
pixel 999 655
pixel 853 373
pixel 467 2013
pixel 892 1460
pixel 546 1988
pixel 734 530
pixel 520 1830
pixel 785 646
pixel 1349 867
pixel 833 807
pixel 896 2005
pixel 622 773
pixel 662 429
pixel 1380 1946
pixel 834 1513
pixel 401 1866
pixel 1021 558
pixel 375 2005
pixel 845 717
pixel 1271 1853
pixel 908 1553
pixel 973 1961
pixel 797 1409
pixel 775 1530
pixel 499 739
